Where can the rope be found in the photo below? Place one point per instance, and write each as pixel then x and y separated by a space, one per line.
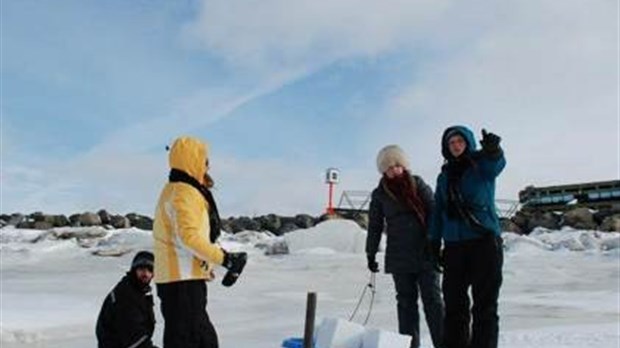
pixel 372 286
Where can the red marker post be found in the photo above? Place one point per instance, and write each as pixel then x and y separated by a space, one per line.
pixel 332 177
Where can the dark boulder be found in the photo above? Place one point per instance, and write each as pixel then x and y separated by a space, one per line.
pixel 15 219
pixel 89 219
pixel 140 221
pixel 287 227
pixel 244 223
pixel 579 218
pixel 106 218
pixel 42 225
pixel 270 222
pixel 226 225
pixel 547 220
pixel 304 221
pixel 508 225
pixel 61 221
pixel 74 220
pixel 120 221
pixel 26 223
pixel 611 224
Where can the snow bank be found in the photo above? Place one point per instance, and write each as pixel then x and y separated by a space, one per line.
pixel 328 237
pixel 342 236
pixel 565 239
pixel 120 242
pixel 252 242
pixel 10 234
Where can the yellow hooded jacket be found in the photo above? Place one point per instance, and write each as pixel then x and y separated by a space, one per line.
pixel 183 250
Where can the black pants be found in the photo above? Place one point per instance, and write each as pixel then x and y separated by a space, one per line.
pixel 407 286
pixel 476 263
pixel 187 324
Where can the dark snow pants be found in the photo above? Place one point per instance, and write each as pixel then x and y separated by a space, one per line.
pixel 186 322
pixel 476 263
pixel 407 287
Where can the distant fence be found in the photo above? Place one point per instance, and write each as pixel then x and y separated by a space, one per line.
pixel 507 208
pixel 355 202
pixel 594 195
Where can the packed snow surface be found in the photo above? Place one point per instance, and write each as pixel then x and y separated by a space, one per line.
pixel 561 288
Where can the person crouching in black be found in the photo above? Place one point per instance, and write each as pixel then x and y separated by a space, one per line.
pixel 127 318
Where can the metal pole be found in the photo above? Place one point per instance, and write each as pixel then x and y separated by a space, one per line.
pixel 310 315
pixel 330 207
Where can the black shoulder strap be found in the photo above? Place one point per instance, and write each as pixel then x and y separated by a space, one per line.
pixel 214 217
pixel 465 212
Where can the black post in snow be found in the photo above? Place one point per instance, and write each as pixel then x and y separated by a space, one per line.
pixel 310 315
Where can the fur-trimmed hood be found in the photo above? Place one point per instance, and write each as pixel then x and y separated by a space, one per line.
pixel 463 131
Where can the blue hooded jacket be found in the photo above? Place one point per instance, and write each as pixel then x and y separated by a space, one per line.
pixel 477 187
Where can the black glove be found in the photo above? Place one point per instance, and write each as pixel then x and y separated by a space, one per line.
pixel 436 254
pixel 490 143
pixel 234 262
pixel 373 266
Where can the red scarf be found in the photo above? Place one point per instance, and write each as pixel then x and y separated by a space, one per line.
pixel 403 188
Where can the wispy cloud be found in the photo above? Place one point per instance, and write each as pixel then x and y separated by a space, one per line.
pixel 187 114
pixel 277 33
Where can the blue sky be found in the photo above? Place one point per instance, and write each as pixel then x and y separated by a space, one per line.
pixel 92 92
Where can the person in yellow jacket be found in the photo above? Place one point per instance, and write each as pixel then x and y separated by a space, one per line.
pixel 185 230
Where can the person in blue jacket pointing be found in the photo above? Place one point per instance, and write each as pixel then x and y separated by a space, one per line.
pixel 466 220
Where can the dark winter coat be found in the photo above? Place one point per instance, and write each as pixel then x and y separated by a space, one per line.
pixel 126 318
pixel 407 248
pixel 477 189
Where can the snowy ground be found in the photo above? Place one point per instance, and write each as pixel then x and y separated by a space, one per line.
pixel 561 288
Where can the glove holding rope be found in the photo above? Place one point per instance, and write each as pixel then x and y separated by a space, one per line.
pixel 373 265
pixel 437 254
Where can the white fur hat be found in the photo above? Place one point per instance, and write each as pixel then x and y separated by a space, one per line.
pixel 391 155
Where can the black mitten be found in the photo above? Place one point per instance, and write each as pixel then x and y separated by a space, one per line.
pixel 373 266
pixel 490 144
pixel 234 262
